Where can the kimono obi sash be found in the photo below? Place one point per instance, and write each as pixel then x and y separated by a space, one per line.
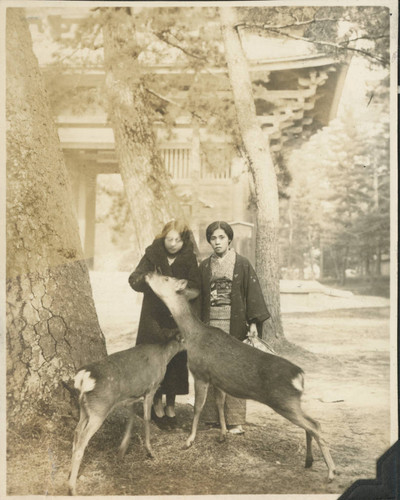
pixel 220 292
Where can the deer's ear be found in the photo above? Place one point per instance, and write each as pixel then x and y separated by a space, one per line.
pixel 191 293
pixel 181 285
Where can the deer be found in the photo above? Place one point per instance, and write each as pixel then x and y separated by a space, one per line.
pixel 130 374
pixel 217 358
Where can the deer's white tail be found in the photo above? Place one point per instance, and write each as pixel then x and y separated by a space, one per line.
pixel 298 382
pixel 84 382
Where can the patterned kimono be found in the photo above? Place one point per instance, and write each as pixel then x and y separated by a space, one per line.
pixel 232 299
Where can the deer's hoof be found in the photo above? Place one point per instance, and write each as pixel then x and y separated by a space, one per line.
pixel 71 491
pixel 222 438
pixel 187 445
pixel 309 462
pixel 150 453
pixel 331 476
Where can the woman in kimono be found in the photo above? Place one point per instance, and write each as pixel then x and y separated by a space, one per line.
pixel 171 254
pixel 231 299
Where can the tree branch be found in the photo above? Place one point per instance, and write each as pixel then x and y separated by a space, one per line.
pixel 169 101
pixel 365 37
pixel 283 26
pixel 162 36
pixel 67 56
pixel 326 44
pixel 82 45
pixel 95 34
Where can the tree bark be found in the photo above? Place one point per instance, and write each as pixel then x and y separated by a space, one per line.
pixel 321 260
pixel 290 251
pixel 310 252
pixel 52 325
pixel 262 170
pixel 379 258
pixel 344 266
pixel 149 189
pixel 367 263
pixel 335 259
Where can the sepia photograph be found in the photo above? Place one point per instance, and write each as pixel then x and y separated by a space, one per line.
pixel 199 258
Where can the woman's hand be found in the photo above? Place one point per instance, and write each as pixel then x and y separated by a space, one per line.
pixel 252 330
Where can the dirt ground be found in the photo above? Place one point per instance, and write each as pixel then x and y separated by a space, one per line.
pixel 347 390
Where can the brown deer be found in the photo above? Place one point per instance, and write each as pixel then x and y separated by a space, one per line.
pixel 126 375
pixel 215 357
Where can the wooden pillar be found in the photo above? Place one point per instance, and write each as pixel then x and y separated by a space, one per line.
pixel 81 202
pixel 90 217
pixel 321 260
pixel 195 169
pixel 342 70
pixel 85 203
pixel 240 194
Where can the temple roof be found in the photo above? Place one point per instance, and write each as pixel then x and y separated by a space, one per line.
pixel 296 88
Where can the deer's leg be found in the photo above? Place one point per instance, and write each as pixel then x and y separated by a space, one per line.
pixel 220 401
pixel 84 431
pixel 296 415
pixel 127 436
pixel 323 447
pixel 200 395
pixel 147 402
pixel 83 421
pixel 309 455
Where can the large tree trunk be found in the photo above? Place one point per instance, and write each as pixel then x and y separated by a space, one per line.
pixel 148 186
pixel 379 258
pixel 290 248
pixel 52 326
pixel 262 169
pixel 321 260
pixel 344 265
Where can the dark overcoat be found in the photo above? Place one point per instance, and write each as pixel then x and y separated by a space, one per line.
pixel 247 301
pixel 156 321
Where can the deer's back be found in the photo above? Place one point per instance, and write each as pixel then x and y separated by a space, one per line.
pixel 128 373
pixel 241 370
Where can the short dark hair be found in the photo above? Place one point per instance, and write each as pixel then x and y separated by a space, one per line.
pixel 219 224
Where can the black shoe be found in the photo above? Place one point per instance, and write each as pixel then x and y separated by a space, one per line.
pixel 160 422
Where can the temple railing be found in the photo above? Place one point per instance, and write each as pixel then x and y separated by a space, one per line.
pixel 178 161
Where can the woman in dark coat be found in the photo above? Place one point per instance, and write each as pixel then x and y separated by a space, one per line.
pixel 171 254
pixel 231 299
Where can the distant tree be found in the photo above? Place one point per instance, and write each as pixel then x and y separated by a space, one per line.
pixel 52 326
pixel 300 229
pixel 349 160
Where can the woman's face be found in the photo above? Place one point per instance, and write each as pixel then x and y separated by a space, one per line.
pixel 219 242
pixel 173 241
